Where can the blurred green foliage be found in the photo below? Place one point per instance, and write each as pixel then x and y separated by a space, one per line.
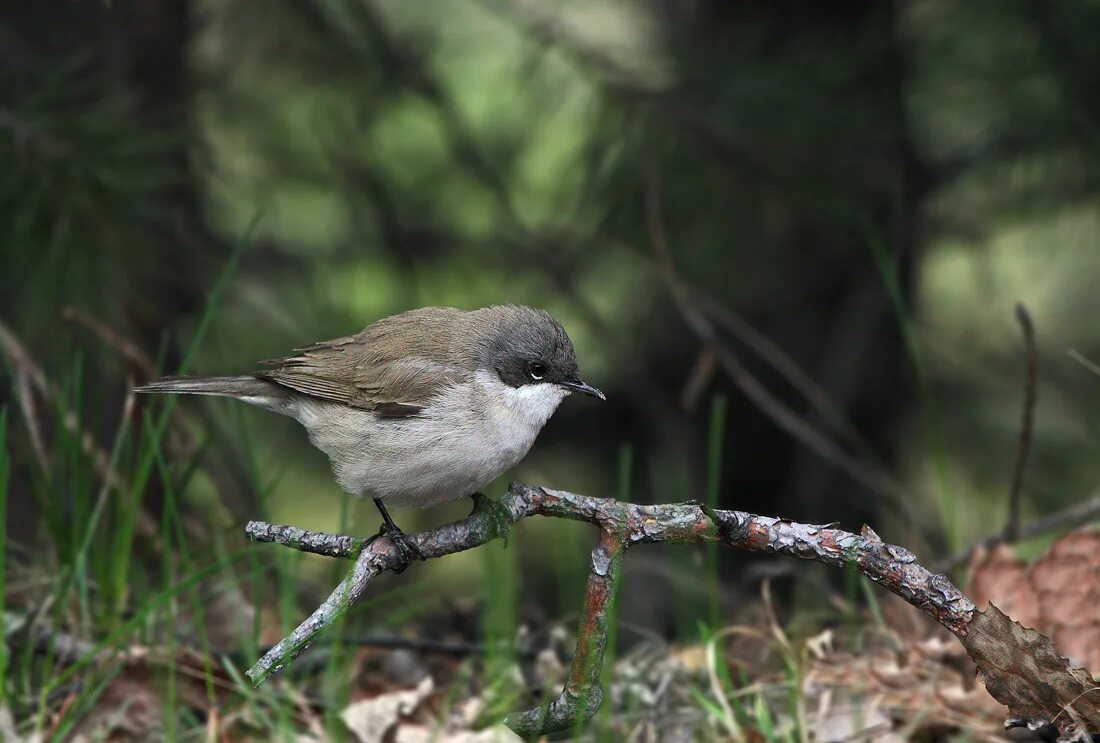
pixel 402 154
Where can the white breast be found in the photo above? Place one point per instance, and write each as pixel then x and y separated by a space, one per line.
pixel 467 437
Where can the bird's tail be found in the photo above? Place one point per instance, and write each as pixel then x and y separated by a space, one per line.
pixel 227 386
pixel 247 388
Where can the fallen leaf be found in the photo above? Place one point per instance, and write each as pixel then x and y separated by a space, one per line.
pixel 998 575
pixel 1067 581
pixel 426 734
pixel 371 719
pixel 1056 595
pixel 1023 670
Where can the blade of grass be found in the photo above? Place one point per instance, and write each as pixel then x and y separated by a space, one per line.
pixel 249 693
pixel 500 622
pixel 5 468
pixel 711 708
pixel 84 704
pixel 128 517
pixel 721 684
pixel 932 427
pixel 81 561
pixel 714 473
pixel 626 466
pixel 286 579
pixel 152 604
pixel 168 568
pixel 172 514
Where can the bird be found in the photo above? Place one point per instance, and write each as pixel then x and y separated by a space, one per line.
pixel 419 408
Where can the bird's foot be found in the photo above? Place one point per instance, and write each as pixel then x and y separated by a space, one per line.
pixel 409 549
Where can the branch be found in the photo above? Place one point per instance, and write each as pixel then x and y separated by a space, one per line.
pixel 582 695
pixel 1084 512
pixel 1020 668
pixel 125 347
pixel 30 379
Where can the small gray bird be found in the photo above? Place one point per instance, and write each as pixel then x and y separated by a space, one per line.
pixel 418 408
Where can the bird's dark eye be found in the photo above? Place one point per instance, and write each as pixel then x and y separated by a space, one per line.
pixel 537 370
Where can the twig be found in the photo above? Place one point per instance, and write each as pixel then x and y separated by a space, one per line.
pixel 581 697
pixel 1013 530
pixel 112 338
pixel 1076 515
pixel 1012 527
pixel 28 377
pixel 775 409
pixel 314 542
pixel 622 525
pixel 1019 667
pixel 701 375
pixel 781 362
pixel 1080 359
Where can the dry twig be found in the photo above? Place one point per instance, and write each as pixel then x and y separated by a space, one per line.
pixel 125 347
pixel 1014 530
pixel 785 417
pixel 29 380
pixel 1019 667
pixel 1080 513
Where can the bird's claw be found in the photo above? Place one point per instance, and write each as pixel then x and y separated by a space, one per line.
pixel 409 549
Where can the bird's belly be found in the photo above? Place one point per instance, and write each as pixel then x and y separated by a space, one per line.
pixel 421 460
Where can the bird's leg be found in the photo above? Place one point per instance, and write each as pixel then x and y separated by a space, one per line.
pixel 408 548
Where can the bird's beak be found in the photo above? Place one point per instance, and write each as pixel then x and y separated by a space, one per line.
pixel 582 386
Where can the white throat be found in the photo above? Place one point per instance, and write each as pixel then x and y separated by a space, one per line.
pixel 526 407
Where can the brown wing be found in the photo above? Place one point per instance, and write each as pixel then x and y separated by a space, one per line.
pixel 394 367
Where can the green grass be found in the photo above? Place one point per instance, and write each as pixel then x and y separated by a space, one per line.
pixel 5 469
pixel 126 562
pixel 160 605
pixel 715 441
pixel 933 431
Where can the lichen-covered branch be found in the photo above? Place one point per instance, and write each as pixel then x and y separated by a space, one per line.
pixel 582 695
pixel 1021 686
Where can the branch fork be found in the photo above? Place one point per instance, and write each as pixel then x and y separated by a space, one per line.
pixel 1019 667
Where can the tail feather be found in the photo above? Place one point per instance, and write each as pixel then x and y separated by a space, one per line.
pixel 231 386
pixel 247 388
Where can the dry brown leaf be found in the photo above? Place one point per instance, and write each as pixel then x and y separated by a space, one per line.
pixel 920 685
pixel 998 575
pixel 851 717
pixel 693 658
pixel 1057 595
pixel 1024 671
pixel 1067 580
pixel 129 709
pixel 8 731
pixel 426 734
pixel 372 718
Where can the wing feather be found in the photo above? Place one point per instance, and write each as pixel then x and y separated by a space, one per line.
pixel 394 367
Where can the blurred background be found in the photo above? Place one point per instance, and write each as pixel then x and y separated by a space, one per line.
pixel 787 239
